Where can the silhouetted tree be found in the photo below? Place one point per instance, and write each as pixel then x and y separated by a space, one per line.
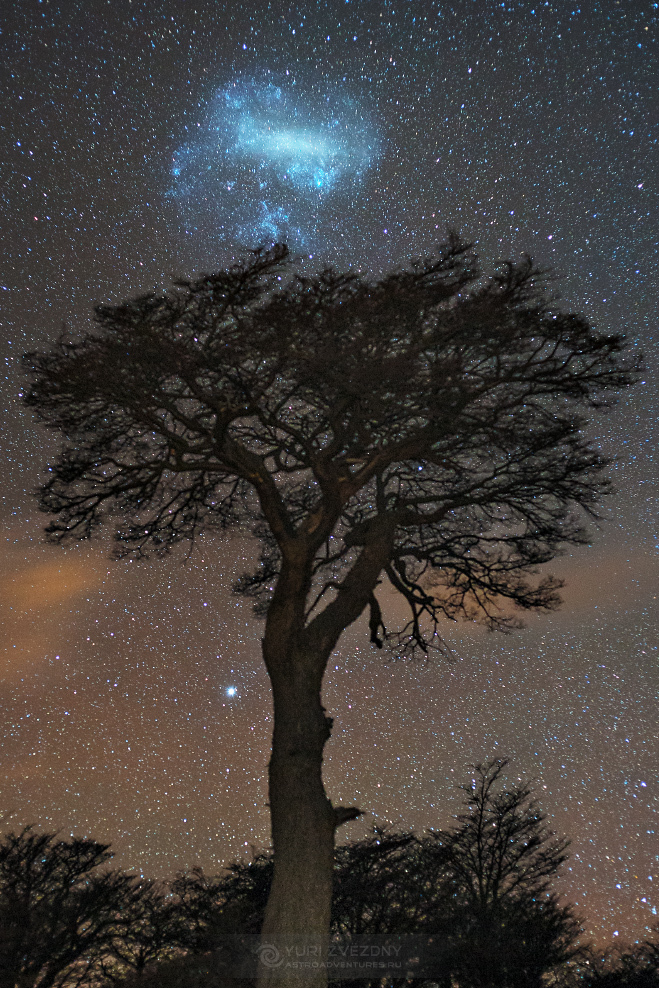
pixel 496 865
pixel 634 966
pixel 388 884
pixel 426 428
pixel 198 903
pixel 231 903
pixel 149 928
pixel 381 886
pixel 58 913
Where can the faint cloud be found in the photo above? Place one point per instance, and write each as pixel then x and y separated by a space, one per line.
pixel 44 584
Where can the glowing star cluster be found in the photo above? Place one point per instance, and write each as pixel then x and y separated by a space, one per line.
pixel 273 163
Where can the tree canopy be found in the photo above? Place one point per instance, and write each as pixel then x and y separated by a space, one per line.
pixel 496 865
pixel 58 911
pixel 435 409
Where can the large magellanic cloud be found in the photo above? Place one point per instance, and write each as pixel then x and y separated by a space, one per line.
pixel 273 162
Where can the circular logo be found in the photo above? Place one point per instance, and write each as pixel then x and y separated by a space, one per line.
pixel 269 956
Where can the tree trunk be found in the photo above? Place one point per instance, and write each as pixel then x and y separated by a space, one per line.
pixel 302 817
pixel 303 820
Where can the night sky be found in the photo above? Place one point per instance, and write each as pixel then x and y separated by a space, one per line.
pixel 146 140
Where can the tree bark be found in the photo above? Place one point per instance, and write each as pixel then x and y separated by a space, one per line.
pixel 303 820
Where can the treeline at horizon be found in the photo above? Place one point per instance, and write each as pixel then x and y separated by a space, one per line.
pixel 482 888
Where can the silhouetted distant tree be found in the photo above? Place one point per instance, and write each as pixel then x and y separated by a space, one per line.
pixel 388 884
pixel 481 889
pixel 58 912
pixel 148 928
pixel 381 886
pixel 427 428
pixel 198 902
pixel 634 966
pixel 496 865
pixel 231 903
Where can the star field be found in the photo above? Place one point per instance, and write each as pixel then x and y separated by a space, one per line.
pixel 144 140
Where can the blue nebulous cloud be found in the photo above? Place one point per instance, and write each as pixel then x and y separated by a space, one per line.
pixel 274 161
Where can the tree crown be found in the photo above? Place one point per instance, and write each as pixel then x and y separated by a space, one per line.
pixel 436 411
pixel 501 851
